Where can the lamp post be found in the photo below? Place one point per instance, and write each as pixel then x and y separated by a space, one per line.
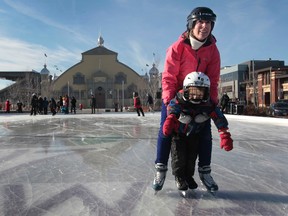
pixel 254 83
pixel 122 94
pixel 68 90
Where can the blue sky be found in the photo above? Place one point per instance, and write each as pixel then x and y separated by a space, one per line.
pixel 135 29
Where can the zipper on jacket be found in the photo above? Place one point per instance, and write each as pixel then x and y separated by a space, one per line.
pixel 199 62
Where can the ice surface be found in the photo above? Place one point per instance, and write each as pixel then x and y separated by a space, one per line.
pixel 103 164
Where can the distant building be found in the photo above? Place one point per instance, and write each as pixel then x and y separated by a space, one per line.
pixel 99 73
pixel 272 85
pixel 46 83
pixel 247 82
pixel 26 83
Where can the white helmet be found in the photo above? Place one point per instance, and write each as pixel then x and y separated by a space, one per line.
pixel 196 79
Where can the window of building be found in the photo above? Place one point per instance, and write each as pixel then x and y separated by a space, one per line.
pixel 120 77
pixel 78 78
pixel 66 90
pixel 242 87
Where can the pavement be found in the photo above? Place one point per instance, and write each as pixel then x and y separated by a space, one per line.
pixel 103 164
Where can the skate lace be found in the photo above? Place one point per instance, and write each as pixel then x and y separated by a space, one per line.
pixel 159 176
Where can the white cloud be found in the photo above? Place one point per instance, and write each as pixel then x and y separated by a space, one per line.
pixel 37 15
pixel 20 55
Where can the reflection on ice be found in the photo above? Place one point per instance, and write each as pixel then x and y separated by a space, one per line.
pixel 104 165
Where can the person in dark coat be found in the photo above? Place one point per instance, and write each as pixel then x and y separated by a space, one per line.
pixel 40 105
pixel 53 106
pixel 45 104
pixel 59 104
pixel 34 104
pixel 19 106
pixel 73 105
pixel 224 102
pixel 150 102
pixel 93 104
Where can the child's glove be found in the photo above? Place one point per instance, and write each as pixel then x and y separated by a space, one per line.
pixel 226 141
pixel 171 124
pixel 174 108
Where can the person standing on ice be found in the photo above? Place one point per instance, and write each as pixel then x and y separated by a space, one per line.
pixel 195 50
pixel 187 116
pixel 150 102
pixel 137 104
pixel 73 105
pixel 224 102
pixel 7 106
pixel 53 106
pixel 34 104
pixel 93 104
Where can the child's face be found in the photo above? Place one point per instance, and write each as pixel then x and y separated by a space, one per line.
pixel 196 93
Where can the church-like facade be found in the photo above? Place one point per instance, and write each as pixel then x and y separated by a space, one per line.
pixel 99 73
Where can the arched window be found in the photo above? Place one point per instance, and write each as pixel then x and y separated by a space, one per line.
pixel 120 77
pixel 78 78
pixel 67 90
pixel 132 88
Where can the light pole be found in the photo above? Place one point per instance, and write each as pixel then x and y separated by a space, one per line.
pixel 122 94
pixel 254 83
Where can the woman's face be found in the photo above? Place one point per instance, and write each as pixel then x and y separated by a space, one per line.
pixel 201 29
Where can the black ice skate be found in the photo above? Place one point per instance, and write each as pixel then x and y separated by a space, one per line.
pixel 191 182
pixel 181 185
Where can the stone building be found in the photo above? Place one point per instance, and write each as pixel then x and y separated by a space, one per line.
pixel 99 73
pixel 25 84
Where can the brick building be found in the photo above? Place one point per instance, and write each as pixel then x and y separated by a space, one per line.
pixel 260 82
pixel 272 85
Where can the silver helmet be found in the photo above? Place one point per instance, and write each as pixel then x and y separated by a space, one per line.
pixel 201 87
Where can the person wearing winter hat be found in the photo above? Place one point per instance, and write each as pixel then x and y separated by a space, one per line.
pixel 195 50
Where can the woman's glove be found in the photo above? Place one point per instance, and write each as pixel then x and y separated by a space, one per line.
pixel 171 124
pixel 226 141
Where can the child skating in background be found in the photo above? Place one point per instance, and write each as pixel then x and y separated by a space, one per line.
pixel 137 104
pixel 186 117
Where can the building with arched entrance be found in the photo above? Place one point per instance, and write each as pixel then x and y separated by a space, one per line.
pixel 99 73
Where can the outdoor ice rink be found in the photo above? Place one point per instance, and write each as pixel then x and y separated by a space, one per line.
pixel 103 164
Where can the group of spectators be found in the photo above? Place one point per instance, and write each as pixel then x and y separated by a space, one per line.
pixel 41 105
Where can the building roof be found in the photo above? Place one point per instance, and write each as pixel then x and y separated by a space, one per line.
pixel 154 71
pixel 100 50
pixel 44 71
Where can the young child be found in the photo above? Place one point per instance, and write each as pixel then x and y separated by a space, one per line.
pixel 186 117
pixel 137 104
